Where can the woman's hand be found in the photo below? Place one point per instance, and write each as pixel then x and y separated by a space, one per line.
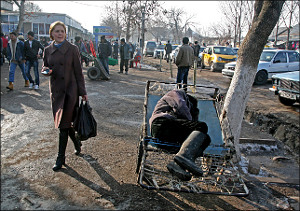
pixel 84 98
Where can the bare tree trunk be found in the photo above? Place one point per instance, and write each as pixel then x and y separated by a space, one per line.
pixel 265 18
pixel 21 15
pixel 289 28
pixel 276 35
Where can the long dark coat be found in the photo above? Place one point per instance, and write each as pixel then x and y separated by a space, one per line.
pixel 66 82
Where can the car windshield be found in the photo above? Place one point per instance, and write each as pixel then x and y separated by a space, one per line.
pixel 161 47
pixel 174 47
pixel 223 50
pixel 267 56
pixel 151 44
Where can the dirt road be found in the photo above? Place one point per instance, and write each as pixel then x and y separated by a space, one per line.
pixel 103 177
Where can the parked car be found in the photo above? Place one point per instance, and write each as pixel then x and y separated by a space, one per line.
pixel 159 51
pixel 149 48
pixel 215 57
pixel 270 63
pixel 200 55
pixel 174 55
pixel 287 87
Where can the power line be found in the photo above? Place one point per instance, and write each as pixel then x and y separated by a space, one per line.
pixel 89 5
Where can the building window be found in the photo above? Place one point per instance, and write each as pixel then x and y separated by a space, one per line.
pixel 35 27
pixel 41 28
pixel 47 28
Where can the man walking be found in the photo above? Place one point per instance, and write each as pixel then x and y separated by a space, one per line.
pixel 81 49
pixel 184 60
pixel 15 54
pixel 168 49
pixel 124 55
pixel 104 50
pixel 31 52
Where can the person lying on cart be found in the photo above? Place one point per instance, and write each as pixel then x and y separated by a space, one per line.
pixel 175 120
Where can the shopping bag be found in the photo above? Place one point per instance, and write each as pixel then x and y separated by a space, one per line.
pixel 85 124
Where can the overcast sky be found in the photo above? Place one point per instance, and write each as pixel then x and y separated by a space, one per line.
pixel 89 13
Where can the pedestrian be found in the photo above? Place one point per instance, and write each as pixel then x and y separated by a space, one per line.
pixel 175 120
pixel 124 55
pixel 4 43
pixel 184 61
pixel 62 60
pixel 168 49
pixel 131 49
pixel 44 42
pixel 104 51
pixel 21 37
pixel 81 49
pixel 15 54
pixel 196 50
pixel 31 52
pixel 115 49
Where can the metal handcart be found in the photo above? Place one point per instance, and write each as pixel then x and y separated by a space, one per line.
pixel 220 175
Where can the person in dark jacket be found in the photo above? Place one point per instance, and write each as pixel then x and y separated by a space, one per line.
pixel 62 60
pixel 196 50
pixel 175 120
pixel 184 61
pixel 15 54
pixel 116 49
pixel 124 55
pixel 31 51
pixel 168 49
pixel 104 51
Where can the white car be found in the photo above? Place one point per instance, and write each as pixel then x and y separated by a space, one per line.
pixel 271 62
pixel 159 51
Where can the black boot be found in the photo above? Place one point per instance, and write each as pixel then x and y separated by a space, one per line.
pixel 76 141
pixel 192 148
pixel 63 140
pixel 177 171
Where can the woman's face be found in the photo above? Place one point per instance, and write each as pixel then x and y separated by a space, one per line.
pixel 58 34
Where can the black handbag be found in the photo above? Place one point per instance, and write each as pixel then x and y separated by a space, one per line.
pixel 85 124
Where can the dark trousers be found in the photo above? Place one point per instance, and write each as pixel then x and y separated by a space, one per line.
pixel 176 130
pixel 122 63
pixel 182 76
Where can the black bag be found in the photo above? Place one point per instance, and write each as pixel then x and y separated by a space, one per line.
pixel 85 124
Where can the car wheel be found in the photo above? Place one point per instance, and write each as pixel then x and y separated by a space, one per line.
pixel 93 73
pixel 285 101
pixel 212 67
pixel 261 77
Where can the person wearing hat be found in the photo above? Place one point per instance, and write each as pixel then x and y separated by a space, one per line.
pixel 15 54
pixel 168 49
pixel 104 51
pixel 116 49
pixel 31 51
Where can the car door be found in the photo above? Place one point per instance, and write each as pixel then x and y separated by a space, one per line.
pixel 279 64
pixel 293 61
pixel 207 56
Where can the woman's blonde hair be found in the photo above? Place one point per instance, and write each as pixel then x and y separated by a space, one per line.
pixel 52 26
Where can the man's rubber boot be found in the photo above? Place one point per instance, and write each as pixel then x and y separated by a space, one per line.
pixel 10 86
pixel 63 140
pixel 177 171
pixel 76 141
pixel 27 83
pixel 192 148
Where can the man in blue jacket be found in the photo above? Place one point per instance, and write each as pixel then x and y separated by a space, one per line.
pixel 31 51
pixel 15 54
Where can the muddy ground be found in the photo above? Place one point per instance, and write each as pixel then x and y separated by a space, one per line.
pixel 103 176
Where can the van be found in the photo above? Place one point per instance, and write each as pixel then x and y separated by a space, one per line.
pixel 149 48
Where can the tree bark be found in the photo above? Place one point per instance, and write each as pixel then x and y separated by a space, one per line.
pixel 266 15
pixel 21 15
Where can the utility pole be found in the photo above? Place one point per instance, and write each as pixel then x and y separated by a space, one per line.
pixel 143 32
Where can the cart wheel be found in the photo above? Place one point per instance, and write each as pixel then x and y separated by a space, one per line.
pixel 93 73
pixel 139 157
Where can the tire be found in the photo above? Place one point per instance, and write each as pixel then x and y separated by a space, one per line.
pixel 93 73
pixel 261 77
pixel 285 101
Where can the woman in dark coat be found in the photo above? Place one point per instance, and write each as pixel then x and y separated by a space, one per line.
pixel 62 60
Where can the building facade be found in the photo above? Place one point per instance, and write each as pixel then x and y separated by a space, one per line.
pixel 39 23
